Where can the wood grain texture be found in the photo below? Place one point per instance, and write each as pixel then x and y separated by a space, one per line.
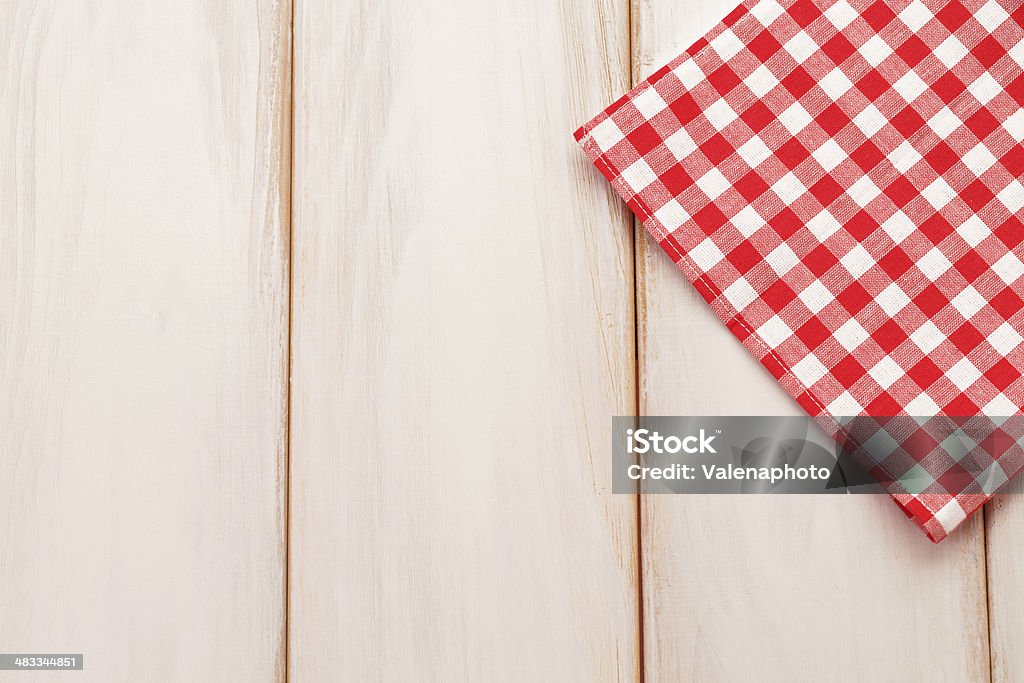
pixel 1004 518
pixel 462 332
pixel 143 336
pixel 777 588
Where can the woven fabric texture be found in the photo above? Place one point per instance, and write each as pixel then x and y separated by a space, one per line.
pixel 840 181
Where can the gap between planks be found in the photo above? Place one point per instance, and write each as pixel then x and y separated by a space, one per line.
pixel 632 25
pixel 288 164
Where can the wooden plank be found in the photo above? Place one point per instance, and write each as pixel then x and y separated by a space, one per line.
pixel 143 336
pixel 1003 517
pixel 777 588
pixel 462 331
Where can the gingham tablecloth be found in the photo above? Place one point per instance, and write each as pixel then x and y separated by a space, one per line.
pixel 840 181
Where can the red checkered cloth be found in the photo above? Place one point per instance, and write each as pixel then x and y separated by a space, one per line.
pixel 839 180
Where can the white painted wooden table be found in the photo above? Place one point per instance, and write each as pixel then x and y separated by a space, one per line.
pixel 382 200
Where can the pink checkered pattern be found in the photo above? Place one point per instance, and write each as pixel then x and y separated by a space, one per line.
pixel 839 180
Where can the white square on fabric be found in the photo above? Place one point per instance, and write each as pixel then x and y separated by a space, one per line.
pixel 727 45
pixel 973 231
pixel 789 188
pixel 824 225
pixel 754 151
pixel 886 372
pixel 782 259
pixel 944 122
pixel 639 175
pixel 1012 196
pixel 875 50
pixel 892 299
pixel 829 155
pixel 1017 53
pixel 801 46
pixel 863 192
pixel 950 515
pixel 1014 125
pixel 857 261
pixel 706 255
pixel 809 370
pixel 713 183
pixel 740 294
pixel 649 103
pixel 774 331
pixel 795 118
pixel 899 227
pixel 607 134
pixel 922 406
pixel 910 86
pixel 991 15
pixel 720 114
pixel 950 52
pixel 845 406
pixel 761 81
pixel 672 215
pixel 1009 268
pixel 933 264
pixel 1000 406
pixel 985 88
pixel 979 159
pixel 816 297
pixel 904 157
pixel 968 302
pixel 938 193
pixel 680 144
pixel 748 221
pixel 915 15
pixel 688 73
pixel 993 476
pixel 851 334
pixel 767 11
pixel 841 14
pixel 963 374
pixel 870 120
pixel 1005 338
pixel 927 338
pixel 835 84
pixel 881 445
